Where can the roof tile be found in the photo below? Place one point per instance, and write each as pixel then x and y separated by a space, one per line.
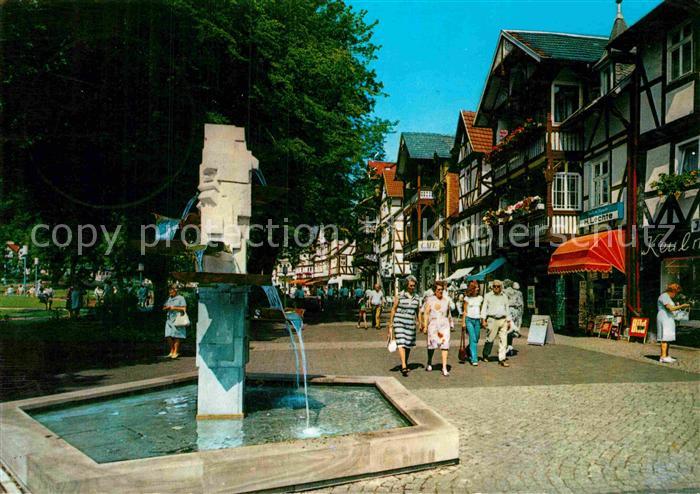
pixel 376 168
pixel 394 188
pixel 560 46
pixel 424 145
pixel 481 138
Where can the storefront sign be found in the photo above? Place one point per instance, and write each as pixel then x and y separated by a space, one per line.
pixel 428 245
pixel 695 226
pixel 541 331
pixel 609 212
pixel 669 242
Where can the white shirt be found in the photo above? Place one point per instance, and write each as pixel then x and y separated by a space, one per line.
pixel 375 298
pixel 474 306
pixel 495 306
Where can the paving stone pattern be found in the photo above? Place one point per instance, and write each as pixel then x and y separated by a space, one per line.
pixel 584 415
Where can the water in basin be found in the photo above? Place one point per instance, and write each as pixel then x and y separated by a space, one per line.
pixel 163 421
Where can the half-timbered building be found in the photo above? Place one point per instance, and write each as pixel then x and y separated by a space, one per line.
pixel 470 240
pixel 606 126
pixel 537 81
pixel 665 113
pixel 390 232
pixel 419 163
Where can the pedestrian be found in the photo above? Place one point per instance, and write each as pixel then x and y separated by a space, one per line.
pixel 438 323
pixel 46 297
pixel 665 323
pixel 76 302
pixel 515 304
pixel 495 317
pixel 175 331
pixel 472 320
pixel 142 294
pixel 403 321
pixel 362 312
pixel 299 297
pixel 359 293
pixel 520 309
pixel 376 301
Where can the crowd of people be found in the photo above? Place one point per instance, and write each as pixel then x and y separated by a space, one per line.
pixel 498 312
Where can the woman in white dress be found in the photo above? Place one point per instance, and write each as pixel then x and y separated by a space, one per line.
pixel 437 321
pixel 665 323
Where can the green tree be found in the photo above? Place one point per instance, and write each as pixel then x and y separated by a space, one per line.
pixel 103 105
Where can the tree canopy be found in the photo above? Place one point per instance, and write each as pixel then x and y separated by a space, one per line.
pixel 103 105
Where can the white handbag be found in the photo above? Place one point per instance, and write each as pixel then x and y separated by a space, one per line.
pixel 391 346
pixel 181 319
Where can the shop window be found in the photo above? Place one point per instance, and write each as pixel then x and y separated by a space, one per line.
pixel 680 52
pixel 600 190
pixel 566 191
pixel 687 155
pixel 566 99
pixel 686 272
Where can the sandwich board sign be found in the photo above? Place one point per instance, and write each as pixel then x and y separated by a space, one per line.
pixel 541 330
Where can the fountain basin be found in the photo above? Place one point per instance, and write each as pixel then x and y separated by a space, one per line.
pixel 43 461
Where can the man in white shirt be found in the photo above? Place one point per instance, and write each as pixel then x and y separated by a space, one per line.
pixel 376 300
pixel 495 317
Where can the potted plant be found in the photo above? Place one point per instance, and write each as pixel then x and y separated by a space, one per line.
pixel 667 185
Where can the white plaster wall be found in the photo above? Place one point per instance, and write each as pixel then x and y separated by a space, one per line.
pixel 646 116
pixel 680 102
pixel 600 134
pixel 619 164
pixel 657 163
pixel 622 104
pixel 653 204
pixel 653 59
pixel 588 127
pixel 686 201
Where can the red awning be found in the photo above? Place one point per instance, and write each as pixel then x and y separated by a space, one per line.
pixel 596 252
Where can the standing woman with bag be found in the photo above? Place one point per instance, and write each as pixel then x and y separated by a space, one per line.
pixel 402 321
pixel 176 321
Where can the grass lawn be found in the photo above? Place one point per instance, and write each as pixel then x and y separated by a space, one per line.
pixel 20 301
pixel 24 312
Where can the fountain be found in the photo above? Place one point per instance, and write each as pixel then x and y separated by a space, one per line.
pixel 216 429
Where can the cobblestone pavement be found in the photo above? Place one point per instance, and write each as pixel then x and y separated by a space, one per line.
pixel 583 415
pixel 565 438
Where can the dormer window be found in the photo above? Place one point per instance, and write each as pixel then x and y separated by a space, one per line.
pixel 680 52
pixel 607 79
pixel 566 99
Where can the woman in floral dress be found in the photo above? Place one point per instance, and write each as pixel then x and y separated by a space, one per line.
pixel 437 321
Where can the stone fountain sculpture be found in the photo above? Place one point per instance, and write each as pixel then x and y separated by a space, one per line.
pixel 225 183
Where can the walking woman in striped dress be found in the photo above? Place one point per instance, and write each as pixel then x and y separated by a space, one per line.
pixel 402 322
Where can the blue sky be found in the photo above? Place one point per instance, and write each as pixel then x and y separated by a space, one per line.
pixel 435 54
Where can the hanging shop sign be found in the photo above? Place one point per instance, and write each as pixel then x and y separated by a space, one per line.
pixel 609 212
pixel 541 330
